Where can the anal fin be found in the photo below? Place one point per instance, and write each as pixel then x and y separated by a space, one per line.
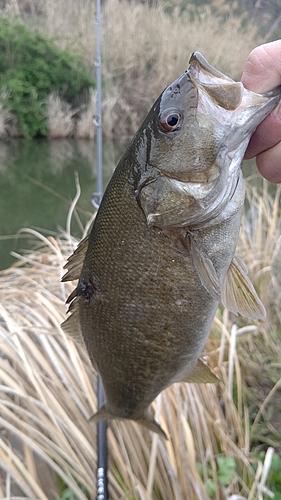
pixel 238 293
pixel 101 414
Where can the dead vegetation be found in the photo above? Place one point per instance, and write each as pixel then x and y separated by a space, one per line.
pixel 48 392
pixel 143 50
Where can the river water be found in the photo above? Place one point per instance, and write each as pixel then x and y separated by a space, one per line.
pixel 37 185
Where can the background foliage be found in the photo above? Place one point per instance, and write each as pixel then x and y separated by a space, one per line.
pixel 31 68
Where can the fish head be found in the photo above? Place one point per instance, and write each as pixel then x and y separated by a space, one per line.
pixel 193 142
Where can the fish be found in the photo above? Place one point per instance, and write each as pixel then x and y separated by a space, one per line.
pixel 161 254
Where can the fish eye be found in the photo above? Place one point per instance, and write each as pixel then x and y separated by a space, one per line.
pixel 170 120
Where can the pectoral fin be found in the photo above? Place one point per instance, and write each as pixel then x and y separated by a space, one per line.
pixel 238 294
pixel 206 270
pixel 201 374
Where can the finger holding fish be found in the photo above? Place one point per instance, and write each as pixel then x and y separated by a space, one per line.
pixel 262 72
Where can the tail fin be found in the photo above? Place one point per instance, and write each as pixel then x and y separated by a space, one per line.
pixel 147 421
pixel 153 426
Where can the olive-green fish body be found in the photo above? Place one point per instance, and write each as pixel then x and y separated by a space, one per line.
pixel 161 254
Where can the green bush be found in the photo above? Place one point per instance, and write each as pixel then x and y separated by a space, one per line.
pixel 31 68
pixel 225 472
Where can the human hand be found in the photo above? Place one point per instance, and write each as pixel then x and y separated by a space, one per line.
pixel 262 72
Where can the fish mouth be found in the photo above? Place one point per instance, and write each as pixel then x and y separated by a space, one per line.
pixel 238 110
pixel 218 117
pixel 227 95
pixel 202 71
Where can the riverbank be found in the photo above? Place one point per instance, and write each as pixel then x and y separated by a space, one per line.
pixel 144 49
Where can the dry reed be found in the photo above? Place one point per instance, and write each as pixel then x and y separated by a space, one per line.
pixel 59 117
pixel 144 49
pixel 48 393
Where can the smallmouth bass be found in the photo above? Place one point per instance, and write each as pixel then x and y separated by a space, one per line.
pixel 161 253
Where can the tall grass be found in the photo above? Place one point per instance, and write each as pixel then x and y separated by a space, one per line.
pixel 144 49
pixel 48 394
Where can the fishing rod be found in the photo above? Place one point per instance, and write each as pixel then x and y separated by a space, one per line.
pixel 98 117
pixel 102 452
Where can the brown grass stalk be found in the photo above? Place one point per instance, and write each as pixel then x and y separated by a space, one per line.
pixel 143 50
pixel 59 117
pixel 47 393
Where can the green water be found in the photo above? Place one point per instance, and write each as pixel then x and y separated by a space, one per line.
pixel 37 185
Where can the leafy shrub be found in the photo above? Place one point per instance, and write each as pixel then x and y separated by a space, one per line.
pixel 225 472
pixel 31 68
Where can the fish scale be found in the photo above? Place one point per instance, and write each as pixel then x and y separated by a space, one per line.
pixel 161 253
pixel 141 303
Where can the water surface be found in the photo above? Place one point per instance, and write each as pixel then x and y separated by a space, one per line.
pixel 37 185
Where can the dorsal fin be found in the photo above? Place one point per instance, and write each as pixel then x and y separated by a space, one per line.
pixel 75 262
pixel 71 325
